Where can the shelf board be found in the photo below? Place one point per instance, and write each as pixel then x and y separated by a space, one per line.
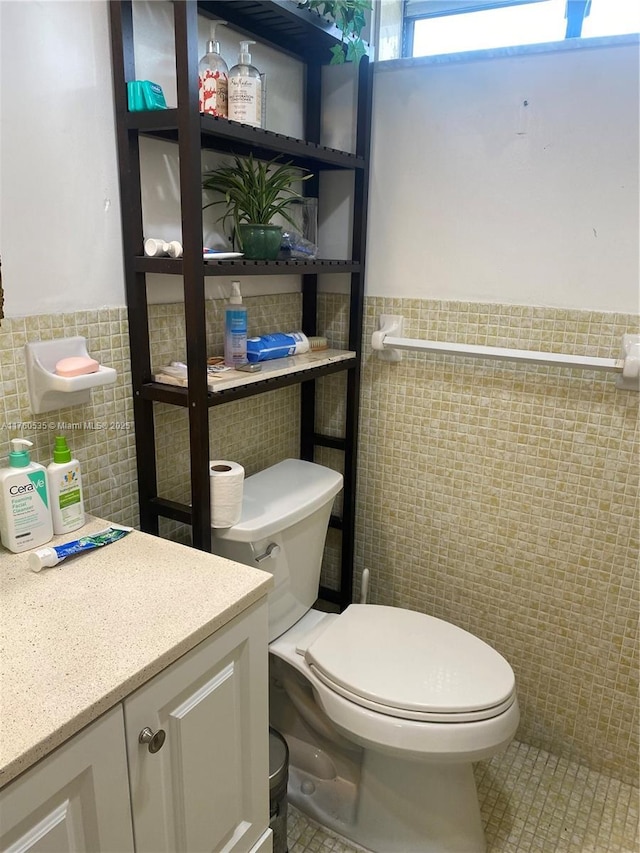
pixel 239 266
pixel 333 441
pixel 220 134
pixel 166 508
pixel 275 374
pixel 279 23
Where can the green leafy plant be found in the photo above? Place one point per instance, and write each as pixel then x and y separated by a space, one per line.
pixel 349 17
pixel 254 191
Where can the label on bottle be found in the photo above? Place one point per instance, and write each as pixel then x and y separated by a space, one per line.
pixel 25 500
pixel 245 100
pixel 235 337
pixel 69 497
pixel 25 521
pixel 213 93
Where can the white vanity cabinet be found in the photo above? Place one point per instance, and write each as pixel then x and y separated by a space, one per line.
pixel 206 788
pixel 75 799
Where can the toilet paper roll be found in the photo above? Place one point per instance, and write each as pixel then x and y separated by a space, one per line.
pixel 226 482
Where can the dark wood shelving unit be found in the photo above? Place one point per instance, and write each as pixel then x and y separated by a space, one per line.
pixel 305 36
pixel 170 266
pixel 220 134
pixel 176 396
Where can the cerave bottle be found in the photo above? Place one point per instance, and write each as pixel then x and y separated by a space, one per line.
pixel 25 514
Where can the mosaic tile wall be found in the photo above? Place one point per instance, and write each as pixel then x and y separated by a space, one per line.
pixel 274 418
pixel 99 433
pixel 503 498
pixel 333 322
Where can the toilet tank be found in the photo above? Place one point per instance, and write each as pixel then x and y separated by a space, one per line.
pixel 282 530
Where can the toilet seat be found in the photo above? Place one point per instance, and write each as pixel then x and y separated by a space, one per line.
pixel 381 731
pixel 411 666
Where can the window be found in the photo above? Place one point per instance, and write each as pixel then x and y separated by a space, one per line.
pixel 451 26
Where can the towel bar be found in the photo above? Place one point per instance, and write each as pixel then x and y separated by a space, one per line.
pixel 388 342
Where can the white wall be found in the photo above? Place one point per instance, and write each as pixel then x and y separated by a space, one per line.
pixel 476 197
pixel 59 201
pixel 60 231
pixel 473 197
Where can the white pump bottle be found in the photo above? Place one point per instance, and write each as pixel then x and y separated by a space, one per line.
pixel 245 89
pixel 25 513
pixel 213 72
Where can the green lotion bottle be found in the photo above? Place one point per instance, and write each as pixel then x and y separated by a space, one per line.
pixel 65 486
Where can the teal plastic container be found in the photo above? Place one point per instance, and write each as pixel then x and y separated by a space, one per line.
pixel 145 95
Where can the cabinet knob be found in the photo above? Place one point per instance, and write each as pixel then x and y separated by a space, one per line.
pixel 154 739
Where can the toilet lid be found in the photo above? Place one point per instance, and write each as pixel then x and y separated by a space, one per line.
pixel 411 665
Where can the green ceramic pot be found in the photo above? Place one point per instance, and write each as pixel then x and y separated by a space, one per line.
pixel 260 242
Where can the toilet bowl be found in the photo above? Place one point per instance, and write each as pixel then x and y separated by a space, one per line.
pixel 384 709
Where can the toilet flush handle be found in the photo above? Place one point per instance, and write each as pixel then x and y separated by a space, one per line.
pixel 272 550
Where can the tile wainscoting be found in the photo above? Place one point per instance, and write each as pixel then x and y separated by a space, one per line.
pixel 501 497
pixel 504 498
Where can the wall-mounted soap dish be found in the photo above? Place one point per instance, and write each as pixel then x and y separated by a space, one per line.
pixel 47 390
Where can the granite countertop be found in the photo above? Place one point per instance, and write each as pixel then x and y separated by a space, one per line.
pixel 76 639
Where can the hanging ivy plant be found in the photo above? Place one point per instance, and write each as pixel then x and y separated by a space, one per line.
pixel 349 17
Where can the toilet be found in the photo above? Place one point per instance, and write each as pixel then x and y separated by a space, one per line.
pixel 384 709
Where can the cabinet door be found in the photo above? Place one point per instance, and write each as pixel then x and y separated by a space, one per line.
pixel 75 799
pixel 207 787
pixel 264 844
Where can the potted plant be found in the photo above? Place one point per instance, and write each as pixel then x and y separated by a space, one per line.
pixel 254 192
pixel 349 16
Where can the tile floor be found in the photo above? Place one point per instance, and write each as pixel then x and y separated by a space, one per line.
pixel 532 802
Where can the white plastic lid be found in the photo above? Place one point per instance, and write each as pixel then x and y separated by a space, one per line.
pixel 245 56
pixel 43 558
pixel 409 661
pixel 280 496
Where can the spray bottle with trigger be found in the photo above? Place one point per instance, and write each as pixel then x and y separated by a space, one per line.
pixel 213 72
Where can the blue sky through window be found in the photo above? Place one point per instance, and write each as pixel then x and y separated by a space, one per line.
pixel 532 23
